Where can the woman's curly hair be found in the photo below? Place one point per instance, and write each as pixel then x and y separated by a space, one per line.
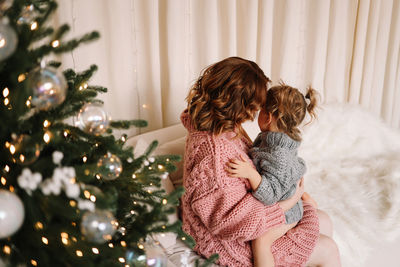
pixel 289 106
pixel 227 94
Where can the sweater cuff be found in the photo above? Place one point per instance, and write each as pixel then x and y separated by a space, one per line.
pixel 274 216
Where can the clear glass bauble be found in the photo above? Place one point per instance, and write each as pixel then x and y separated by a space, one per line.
pixel 8 40
pixel 48 86
pixel 23 150
pixel 92 119
pixel 12 213
pixel 110 167
pixel 98 226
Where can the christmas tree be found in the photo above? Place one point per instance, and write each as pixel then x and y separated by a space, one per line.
pixel 71 193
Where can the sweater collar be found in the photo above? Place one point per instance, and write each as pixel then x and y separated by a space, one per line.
pixel 278 139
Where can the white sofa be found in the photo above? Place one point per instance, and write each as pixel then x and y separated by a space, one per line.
pixel 353 162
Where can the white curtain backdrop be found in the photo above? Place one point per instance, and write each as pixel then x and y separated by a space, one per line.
pixel 151 51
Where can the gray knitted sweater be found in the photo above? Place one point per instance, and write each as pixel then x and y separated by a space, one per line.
pixel 275 156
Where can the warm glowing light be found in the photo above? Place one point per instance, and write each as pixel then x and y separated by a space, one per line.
pixel 34 263
pixel 7 168
pixel 6 92
pixel 110 245
pixel 8 144
pixel 93 198
pixel 7 249
pixel 22 158
pixel 134 176
pixel 72 180
pixel 134 202
pixel 144 106
pixel 65 133
pixel 64 235
pixel 122 260
pixel 34 26
pixel 11 188
pixel 85 85
pixel 55 43
pixel 21 77
pixel 140 246
pixel 132 212
pixel 64 240
pixel 46 123
pixel 123 243
pixel 160 167
pixel 39 226
pixel 95 250
pixel 2 42
pixel 12 149
pixel 183 238
pixel 98 176
pixel 74 238
pixel 79 253
pixel 164 201
pixel 3 180
pixel 149 191
pixel 123 138
pixel 28 103
pixel 167 160
pixel 86 194
pixel 72 203
pixel 84 159
pixel 6 101
pixel 46 137
pixel 163 227
pixel 87 172
pixel 45 240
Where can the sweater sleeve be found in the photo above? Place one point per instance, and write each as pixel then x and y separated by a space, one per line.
pixel 229 211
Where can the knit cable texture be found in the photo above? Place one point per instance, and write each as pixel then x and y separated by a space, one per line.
pixel 221 213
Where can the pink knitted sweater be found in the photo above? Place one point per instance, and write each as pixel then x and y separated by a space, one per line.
pixel 222 215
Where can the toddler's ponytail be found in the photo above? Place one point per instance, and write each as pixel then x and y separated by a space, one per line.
pixel 311 100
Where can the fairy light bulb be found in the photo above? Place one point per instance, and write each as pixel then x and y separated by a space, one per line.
pixel 55 43
pixel 7 250
pixel 45 240
pixel 79 253
pixel 95 250
pixel 121 260
pixel 46 123
pixel 46 137
pixel 21 77
pixel 6 92
pixel 34 26
pixel 34 263
pixel 3 180
pixel 6 101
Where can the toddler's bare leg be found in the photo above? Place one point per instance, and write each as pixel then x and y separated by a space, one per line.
pixel 325 254
pixel 325 223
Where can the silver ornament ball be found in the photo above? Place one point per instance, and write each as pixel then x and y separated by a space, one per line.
pixel 92 119
pixel 110 167
pixel 49 87
pixel 98 226
pixel 12 213
pixel 8 41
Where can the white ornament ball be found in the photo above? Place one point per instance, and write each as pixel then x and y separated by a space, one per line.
pixel 12 213
pixel 8 41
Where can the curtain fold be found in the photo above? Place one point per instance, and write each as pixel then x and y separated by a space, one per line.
pixel 152 51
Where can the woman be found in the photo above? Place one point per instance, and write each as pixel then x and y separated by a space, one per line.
pixel 219 212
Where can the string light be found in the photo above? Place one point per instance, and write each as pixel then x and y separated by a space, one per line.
pixel 123 243
pixel 167 160
pixel 55 43
pixel 7 144
pixel 7 250
pixel 86 194
pixel 79 253
pixel 12 149
pixel 28 103
pixel 65 133
pixel 84 159
pixel 163 227
pixel 7 168
pixel 34 26
pixel 22 158
pixel 72 203
pixel 21 77
pixel 6 101
pixel 64 240
pixel 110 245
pixel 183 238
pixel 164 201
pixel 39 226
pixel 87 172
pixel 3 180
pixel 140 246
pixel 160 167
pixel 95 250
pixel 149 191
pixel 93 198
pixel 98 176
pixel 46 123
pixel 6 92
pixel 11 188
pixel 133 176
pixel 46 137
pixel 121 260
pixel 45 240
pixel 34 263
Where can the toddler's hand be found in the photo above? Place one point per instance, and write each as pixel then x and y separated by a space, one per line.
pixel 239 168
pixel 307 198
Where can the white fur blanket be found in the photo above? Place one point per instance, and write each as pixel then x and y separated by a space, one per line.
pixel 353 172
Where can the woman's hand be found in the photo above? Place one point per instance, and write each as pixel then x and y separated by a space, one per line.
pixel 243 169
pixel 287 204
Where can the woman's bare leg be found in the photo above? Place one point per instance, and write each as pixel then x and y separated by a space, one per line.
pixel 325 254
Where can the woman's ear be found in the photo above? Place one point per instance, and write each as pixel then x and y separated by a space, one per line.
pixel 269 118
